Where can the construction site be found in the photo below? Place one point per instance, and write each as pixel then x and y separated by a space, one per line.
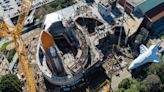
pixel 85 47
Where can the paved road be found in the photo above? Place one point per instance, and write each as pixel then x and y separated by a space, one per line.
pixel 14 61
pixel 117 79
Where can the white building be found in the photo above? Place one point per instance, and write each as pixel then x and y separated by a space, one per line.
pixel 104 7
pixel 10 8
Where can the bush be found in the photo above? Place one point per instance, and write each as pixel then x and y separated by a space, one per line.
pixel 131 90
pixel 120 90
pixel 126 83
pixel 3 48
pixel 10 83
pixel 157 69
pixel 162 37
pixel 151 84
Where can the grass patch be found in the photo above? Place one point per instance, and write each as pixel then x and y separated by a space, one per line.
pixel 3 48
pixel 162 37
pixel 9 54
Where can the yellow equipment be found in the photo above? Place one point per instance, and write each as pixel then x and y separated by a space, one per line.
pixel 87 89
pixel 105 86
pixel 15 33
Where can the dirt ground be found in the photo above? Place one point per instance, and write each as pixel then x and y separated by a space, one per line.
pixel 31 40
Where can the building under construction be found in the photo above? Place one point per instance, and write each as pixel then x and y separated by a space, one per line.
pixel 65 52
pixel 77 40
pixel 71 46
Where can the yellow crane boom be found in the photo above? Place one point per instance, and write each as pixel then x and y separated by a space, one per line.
pixel 4 30
pixel 19 43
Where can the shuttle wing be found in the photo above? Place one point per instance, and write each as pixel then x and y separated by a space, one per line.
pixel 148 55
pixel 157 59
pixel 154 57
pixel 143 49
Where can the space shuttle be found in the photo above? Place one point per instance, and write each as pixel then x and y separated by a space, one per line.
pixel 146 55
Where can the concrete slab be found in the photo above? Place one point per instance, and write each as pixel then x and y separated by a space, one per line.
pixel 117 79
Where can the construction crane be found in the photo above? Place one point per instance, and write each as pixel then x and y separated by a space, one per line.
pixel 15 33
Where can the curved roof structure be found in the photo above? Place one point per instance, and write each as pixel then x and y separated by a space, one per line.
pixel 62 54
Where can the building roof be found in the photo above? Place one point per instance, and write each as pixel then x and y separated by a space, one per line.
pixel 135 2
pixel 105 2
pixel 148 5
pixel 50 19
pixel 156 13
pixel 10 8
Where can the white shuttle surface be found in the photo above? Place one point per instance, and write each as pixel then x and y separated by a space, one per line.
pixel 146 55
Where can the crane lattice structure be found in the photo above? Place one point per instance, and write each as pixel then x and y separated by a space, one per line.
pixel 15 33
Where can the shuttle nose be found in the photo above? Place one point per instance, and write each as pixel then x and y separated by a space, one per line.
pixel 130 66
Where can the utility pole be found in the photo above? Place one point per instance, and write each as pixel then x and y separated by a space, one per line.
pixel 126 39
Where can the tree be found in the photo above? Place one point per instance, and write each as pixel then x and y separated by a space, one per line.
pixel 10 83
pixel 120 90
pixel 128 85
pixel 150 81
pixel 157 69
pixel 151 84
pixel 132 90
pixel 125 83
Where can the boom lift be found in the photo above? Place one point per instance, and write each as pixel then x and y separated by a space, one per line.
pixel 15 33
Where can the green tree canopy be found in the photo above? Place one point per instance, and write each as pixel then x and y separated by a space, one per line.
pixel 120 90
pixel 157 69
pixel 132 90
pixel 128 85
pixel 151 84
pixel 125 83
pixel 10 83
pixel 152 81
